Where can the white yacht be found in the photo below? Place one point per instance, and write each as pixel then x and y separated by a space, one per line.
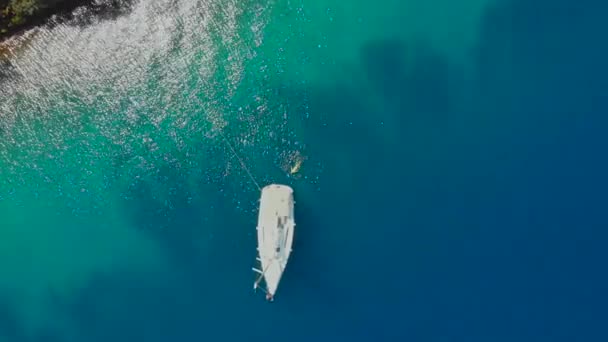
pixel 275 235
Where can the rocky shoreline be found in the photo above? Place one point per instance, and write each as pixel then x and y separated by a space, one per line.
pixel 18 16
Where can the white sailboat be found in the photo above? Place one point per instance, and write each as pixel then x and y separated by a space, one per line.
pixel 275 231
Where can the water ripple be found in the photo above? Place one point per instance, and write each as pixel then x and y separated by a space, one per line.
pixel 90 107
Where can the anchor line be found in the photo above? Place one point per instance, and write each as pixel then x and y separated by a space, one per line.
pixel 240 161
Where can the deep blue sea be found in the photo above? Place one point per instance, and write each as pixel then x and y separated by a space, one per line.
pixel 453 182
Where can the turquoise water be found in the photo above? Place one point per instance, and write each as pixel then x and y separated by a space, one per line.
pixel 451 188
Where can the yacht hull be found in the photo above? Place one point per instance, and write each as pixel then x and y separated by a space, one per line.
pixel 275 231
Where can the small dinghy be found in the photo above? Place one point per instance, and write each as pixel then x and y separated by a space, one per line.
pixel 275 235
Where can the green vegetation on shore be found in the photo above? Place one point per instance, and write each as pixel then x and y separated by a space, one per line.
pixel 19 15
pixel 15 13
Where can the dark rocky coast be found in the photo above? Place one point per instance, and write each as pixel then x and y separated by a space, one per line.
pixel 17 16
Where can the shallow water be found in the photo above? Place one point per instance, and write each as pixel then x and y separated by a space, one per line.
pixel 451 184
